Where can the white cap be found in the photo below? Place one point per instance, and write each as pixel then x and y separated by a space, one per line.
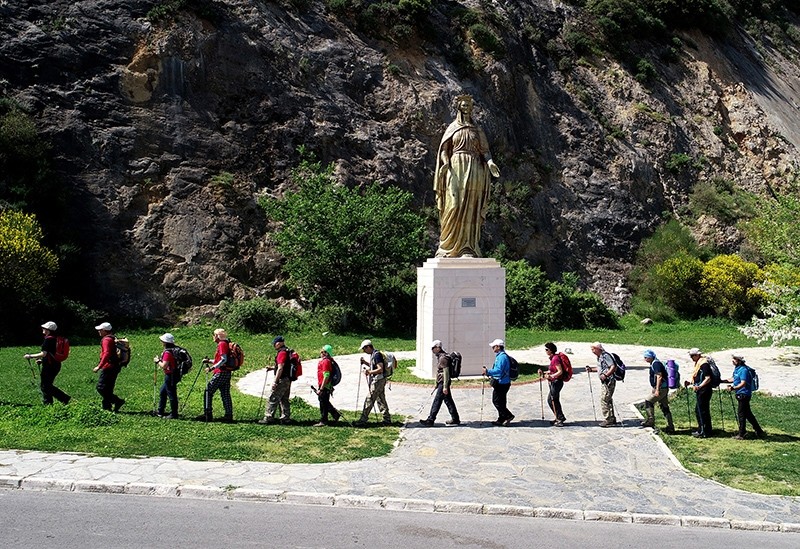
pixel 366 343
pixel 50 326
pixel 104 326
pixel 497 342
pixel 694 351
pixel 436 343
pixel 597 345
pixel 167 338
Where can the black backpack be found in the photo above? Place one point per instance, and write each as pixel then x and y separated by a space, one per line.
pixel 183 361
pixel 455 364
pixel 513 370
pixel 619 371
pixel 336 373
pixel 716 378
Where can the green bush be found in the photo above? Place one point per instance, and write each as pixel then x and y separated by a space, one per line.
pixel 774 231
pixel 350 247
pixel 645 71
pixel 27 266
pixel 486 39
pixel 678 161
pixel 258 316
pixel 676 283
pixel 729 286
pixel 719 198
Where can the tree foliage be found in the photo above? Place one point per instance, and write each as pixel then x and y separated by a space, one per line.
pixel 350 247
pixel 775 232
pixel 729 286
pixel 27 266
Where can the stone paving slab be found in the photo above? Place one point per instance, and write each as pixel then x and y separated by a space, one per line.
pixel 578 472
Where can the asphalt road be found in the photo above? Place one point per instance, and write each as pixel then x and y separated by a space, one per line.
pixel 84 520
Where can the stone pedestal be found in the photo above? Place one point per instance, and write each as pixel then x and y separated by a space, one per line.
pixel 462 302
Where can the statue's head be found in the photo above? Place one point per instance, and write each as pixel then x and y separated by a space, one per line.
pixel 463 103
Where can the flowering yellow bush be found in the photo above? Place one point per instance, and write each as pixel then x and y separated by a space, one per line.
pixel 729 286
pixel 26 266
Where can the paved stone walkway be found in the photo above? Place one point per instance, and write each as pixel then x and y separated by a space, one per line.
pixel 580 471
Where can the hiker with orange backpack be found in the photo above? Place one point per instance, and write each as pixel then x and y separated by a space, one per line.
pixel 55 350
pixel 560 371
pixel 220 380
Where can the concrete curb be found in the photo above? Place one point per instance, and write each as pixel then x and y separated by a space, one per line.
pixel 387 503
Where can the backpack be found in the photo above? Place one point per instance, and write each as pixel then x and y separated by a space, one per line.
pixel 235 357
pixel 183 361
pixel 619 371
pixel 455 364
pixel 389 364
pixel 567 375
pixel 336 373
pixel 123 347
pixel 513 370
pixel 716 378
pixel 753 385
pixel 673 374
pixel 62 349
pixel 295 365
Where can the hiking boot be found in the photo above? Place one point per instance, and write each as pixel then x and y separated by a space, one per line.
pixel 669 429
pixel 336 417
pixel 203 417
pixel 426 422
pixel 267 421
pixel 737 437
pixel 605 423
pixel 648 423
pixel 386 422
pixel 508 421
pixel 226 419
pixel 120 403
pixel 286 421
pixel 498 423
pixel 170 416
pixel 320 424
pixel 761 434
pixel 360 423
pixel 558 424
pixel 453 422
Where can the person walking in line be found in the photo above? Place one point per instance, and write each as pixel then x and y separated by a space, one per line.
pixel 281 385
pixel 169 389
pixel 500 375
pixel 742 383
pixel 442 391
pixel 325 383
pixel 373 370
pixel 701 384
pixel 659 393
pixel 554 376
pixel 50 366
pixel 605 366
pixel 220 378
pixel 109 368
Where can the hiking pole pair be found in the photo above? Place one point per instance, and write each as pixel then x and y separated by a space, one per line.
pixel 591 393
pixel 721 415
pixel 186 399
pixel 358 392
pixel 541 393
pixel 155 388
pixel 688 408
pixel 483 391
pixel 263 390
pixel 33 373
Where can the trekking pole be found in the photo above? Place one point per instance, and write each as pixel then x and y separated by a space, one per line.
pixel 688 408
pixel 483 391
pixel 155 388
pixel 186 399
pixel 591 393
pixel 263 390
pixel 721 415
pixel 358 392
pixel 206 402
pixel 541 393
pixel 33 373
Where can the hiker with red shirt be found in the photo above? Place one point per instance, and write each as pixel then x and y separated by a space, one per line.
pixel 325 381
pixel 220 380
pixel 554 376
pixel 281 385
pixel 169 389
pixel 50 367
pixel 108 367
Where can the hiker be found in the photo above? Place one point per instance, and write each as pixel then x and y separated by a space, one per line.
pixel 281 385
pixel 501 382
pixel 169 389
pixel 606 367
pixel 442 389
pixel 50 366
pixel 325 382
pixel 554 376
pixel 742 383
pixel 109 368
pixel 659 393
pixel 701 384
pixel 373 370
pixel 220 379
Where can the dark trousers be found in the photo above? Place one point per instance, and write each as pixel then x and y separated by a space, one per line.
pixel 325 406
pixel 554 399
pixel 105 386
pixel 438 397
pixel 169 390
pixel 50 391
pixel 703 412
pixel 499 399
pixel 745 414
pixel 221 382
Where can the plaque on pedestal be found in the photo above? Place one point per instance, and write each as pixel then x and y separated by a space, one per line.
pixel 461 301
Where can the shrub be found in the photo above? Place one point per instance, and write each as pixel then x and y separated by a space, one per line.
pixel 676 283
pixel 729 286
pixel 525 286
pixel 719 198
pixel 774 230
pixel 486 39
pixel 678 161
pixel 645 71
pixel 27 266
pixel 259 315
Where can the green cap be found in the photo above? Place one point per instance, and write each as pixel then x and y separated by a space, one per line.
pixel 328 349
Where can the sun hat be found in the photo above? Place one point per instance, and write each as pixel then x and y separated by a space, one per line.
pixel 366 343
pixel 497 343
pixel 104 326
pixel 694 351
pixel 167 338
pixel 436 343
pixel 52 326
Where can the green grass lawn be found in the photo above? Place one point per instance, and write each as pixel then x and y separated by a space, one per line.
pixel 765 466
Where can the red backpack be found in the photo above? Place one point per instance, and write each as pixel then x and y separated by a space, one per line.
pixel 567 365
pixel 62 349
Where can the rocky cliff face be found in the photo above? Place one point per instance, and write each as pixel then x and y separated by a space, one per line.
pixel 167 132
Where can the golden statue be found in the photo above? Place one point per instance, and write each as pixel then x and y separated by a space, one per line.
pixel 461 183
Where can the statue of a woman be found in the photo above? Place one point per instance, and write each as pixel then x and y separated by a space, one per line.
pixel 461 183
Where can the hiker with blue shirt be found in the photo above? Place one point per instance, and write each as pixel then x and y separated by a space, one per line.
pixel 742 383
pixel 659 392
pixel 500 375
